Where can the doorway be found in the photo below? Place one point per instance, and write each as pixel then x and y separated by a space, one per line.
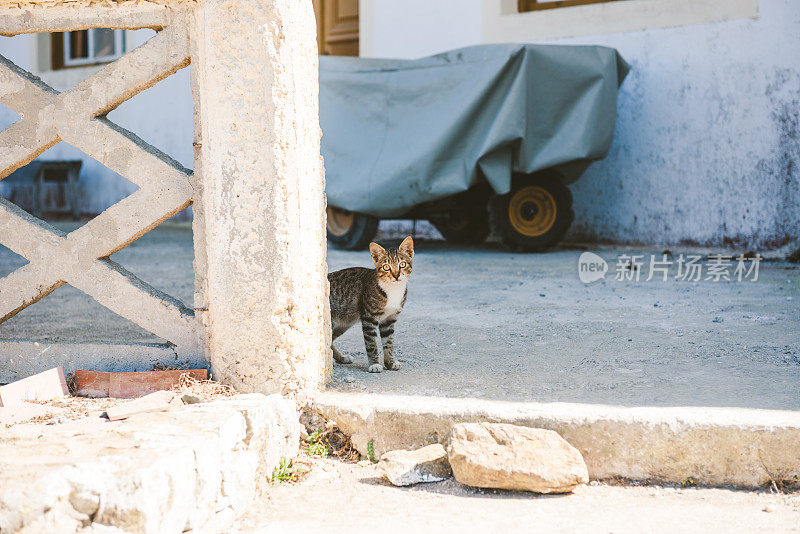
pixel 337 27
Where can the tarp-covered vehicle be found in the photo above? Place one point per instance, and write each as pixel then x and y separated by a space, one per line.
pixel 476 139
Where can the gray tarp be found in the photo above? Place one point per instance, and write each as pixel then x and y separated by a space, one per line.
pixel 397 133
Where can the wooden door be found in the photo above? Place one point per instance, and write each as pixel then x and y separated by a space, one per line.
pixel 337 27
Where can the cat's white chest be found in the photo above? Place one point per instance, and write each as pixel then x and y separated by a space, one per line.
pixel 395 291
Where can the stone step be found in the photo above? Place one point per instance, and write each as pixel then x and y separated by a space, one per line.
pixel 738 447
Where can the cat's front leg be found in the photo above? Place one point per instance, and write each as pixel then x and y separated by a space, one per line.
pixel 368 325
pixel 387 336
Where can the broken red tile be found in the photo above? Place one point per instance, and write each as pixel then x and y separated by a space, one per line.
pixel 47 385
pixel 91 383
pixel 130 385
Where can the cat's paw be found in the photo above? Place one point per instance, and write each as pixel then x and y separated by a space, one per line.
pixel 345 359
pixel 375 368
pixel 394 367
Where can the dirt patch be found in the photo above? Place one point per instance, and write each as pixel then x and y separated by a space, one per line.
pixel 355 498
pixel 71 409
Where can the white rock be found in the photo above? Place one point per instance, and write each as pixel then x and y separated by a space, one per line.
pixel 403 468
pixel 498 455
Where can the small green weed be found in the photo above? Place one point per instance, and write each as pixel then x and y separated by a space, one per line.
pixel 371 452
pixel 286 471
pixel 689 483
pixel 315 446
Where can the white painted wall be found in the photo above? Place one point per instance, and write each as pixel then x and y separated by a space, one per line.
pixel 417 28
pixel 706 147
pixel 161 115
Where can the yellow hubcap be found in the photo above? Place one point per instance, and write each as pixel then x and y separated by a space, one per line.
pixel 532 211
pixel 339 221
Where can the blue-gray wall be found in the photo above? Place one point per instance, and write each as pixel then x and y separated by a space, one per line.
pixel 706 148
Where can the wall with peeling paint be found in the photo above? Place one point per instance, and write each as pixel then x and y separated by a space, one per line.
pixel 707 147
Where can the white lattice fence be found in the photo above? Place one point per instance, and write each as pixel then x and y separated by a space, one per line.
pixel 78 117
pixel 261 316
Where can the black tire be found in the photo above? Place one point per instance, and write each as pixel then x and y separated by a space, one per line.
pixel 464 228
pixel 534 215
pixel 349 230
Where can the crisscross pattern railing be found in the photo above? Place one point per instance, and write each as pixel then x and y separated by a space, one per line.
pixel 80 258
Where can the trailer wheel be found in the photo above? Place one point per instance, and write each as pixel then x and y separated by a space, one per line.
pixel 349 230
pixel 464 228
pixel 534 215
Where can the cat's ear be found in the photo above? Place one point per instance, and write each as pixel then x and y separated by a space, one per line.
pixel 407 247
pixel 377 251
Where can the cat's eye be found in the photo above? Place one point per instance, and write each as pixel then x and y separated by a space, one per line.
pixel 403 265
pixel 386 267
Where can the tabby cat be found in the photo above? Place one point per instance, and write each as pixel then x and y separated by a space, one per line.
pixel 375 297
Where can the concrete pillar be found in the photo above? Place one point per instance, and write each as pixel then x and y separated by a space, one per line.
pixel 262 292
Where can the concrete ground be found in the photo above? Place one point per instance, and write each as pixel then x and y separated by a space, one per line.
pixel 482 322
pixel 162 258
pixel 342 497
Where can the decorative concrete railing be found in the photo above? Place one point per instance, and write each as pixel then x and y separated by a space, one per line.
pixel 260 315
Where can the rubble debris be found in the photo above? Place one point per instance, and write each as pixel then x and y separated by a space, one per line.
pixel 404 468
pixel 202 389
pixel 26 411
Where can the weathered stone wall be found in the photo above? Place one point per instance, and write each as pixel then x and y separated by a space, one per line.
pixel 194 467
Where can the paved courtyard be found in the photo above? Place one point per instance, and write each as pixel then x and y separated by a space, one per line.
pixel 482 322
